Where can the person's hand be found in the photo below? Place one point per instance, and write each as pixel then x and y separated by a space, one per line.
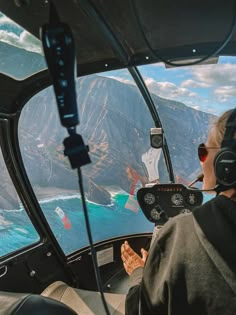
pixel 132 260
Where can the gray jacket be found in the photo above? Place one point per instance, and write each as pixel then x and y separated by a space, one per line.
pixel 191 266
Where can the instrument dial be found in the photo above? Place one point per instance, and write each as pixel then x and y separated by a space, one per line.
pixel 156 141
pixel 155 215
pixel 191 199
pixel 177 199
pixel 149 199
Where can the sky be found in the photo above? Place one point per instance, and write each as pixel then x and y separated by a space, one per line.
pixel 210 88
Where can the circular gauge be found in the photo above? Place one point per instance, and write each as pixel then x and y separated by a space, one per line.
pixel 155 215
pixel 156 141
pixel 149 199
pixel 177 199
pixel 191 199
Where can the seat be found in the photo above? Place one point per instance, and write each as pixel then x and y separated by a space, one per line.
pixel 32 304
pixel 85 302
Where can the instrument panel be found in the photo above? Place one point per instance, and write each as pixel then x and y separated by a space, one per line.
pixel 162 201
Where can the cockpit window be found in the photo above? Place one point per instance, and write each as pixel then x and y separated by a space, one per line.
pixel 115 123
pixel 16 229
pixel 188 99
pixel 20 52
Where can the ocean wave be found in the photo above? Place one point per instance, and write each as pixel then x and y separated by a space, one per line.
pixel 21 230
pixel 59 197
pixel 69 197
pixel 115 190
pixel 4 223
pixel 100 204
pixel 12 210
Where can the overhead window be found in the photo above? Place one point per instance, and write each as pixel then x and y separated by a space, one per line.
pixel 20 52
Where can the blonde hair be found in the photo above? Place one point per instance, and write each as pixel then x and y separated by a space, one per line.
pixel 218 128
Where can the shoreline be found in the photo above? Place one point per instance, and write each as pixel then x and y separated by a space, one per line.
pixel 43 193
pixel 50 192
pixel 46 193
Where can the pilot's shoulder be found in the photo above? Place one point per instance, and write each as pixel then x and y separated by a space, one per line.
pixel 179 227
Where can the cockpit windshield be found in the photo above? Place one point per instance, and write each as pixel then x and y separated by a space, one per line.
pixel 115 123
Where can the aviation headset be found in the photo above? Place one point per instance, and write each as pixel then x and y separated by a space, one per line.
pixel 225 159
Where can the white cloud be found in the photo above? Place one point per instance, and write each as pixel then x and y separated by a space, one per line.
pixel 215 75
pixel 149 81
pixel 226 90
pixel 226 94
pixel 13 34
pixel 211 88
pixel 8 37
pixel 194 84
pixel 168 90
pixel 24 41
pixel 30 42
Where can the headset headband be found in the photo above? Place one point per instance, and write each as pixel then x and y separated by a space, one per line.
pixel 225 159
pixel 230 129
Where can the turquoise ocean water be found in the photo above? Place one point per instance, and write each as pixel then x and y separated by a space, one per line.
pixel 106 222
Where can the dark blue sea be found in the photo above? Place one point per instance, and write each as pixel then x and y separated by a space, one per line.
pixel 114 220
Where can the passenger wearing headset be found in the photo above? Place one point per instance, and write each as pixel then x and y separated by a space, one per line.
pixel 191 265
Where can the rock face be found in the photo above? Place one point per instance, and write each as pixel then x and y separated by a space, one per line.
pixel 115 124
pixel 98 194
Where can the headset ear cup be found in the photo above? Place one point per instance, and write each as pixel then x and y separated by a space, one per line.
pixel 225 167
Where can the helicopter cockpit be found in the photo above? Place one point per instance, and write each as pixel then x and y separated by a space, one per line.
pixel 149 79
